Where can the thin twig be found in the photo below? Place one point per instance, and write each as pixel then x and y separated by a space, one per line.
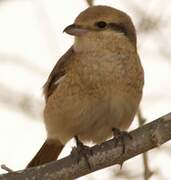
pixel 4 167
pixel 90 2
pixel 147 172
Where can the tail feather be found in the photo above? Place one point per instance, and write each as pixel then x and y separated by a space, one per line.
pixel 48 152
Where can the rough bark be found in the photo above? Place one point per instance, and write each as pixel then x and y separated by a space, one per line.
pixel 145 138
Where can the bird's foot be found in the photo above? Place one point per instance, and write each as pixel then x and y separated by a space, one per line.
pixel 120 136
pixel 81 150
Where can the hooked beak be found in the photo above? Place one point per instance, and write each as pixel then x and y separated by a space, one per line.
pixel 75 30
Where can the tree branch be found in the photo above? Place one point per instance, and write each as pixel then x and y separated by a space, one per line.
pixel 144 138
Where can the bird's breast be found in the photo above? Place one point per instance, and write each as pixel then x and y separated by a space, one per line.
pixel 109 71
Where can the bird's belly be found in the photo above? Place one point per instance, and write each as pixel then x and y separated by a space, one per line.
pixel 89 117
pixel 118 112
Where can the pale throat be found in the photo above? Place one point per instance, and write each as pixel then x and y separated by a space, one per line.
pixel 108 41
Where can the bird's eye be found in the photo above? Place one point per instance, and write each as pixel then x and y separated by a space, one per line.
pixel 101 24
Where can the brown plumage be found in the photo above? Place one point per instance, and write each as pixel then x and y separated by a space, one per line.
pixel 96 86
pixel 48 152
pixel 58 71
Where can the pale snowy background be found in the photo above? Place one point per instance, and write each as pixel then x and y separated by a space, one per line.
pixel 31 41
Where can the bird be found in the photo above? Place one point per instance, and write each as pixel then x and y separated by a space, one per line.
pixel 96 86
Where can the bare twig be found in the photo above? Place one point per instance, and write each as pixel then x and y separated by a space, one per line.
pixel 4 167
pixel 141 119
pixel 90 2
pixel 144 138
pixel 147 172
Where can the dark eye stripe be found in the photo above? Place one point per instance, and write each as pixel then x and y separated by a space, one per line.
pixel 118 27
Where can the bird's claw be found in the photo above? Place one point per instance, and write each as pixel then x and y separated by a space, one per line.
pixel 120 136
pixel 81 151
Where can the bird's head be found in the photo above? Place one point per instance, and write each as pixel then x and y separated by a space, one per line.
pixel 98 25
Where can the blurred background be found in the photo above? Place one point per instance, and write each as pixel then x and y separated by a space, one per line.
pixel 31 41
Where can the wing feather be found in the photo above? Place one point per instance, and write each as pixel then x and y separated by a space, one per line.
pixel 58 72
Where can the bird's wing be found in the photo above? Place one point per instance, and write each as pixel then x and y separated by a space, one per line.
pixel 57 73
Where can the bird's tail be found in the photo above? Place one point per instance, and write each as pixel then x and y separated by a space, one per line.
pixel 48 152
